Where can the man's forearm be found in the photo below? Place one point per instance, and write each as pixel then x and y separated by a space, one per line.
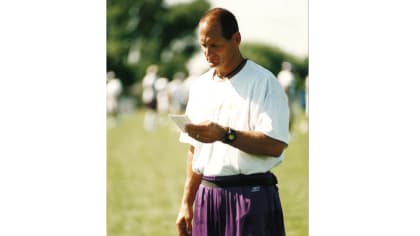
pixel 257 143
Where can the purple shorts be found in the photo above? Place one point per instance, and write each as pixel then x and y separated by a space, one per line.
pixel 237 210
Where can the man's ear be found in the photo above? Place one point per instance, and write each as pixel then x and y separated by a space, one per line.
pixel 237 38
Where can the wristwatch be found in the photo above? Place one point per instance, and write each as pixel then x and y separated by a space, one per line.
pixel 230 136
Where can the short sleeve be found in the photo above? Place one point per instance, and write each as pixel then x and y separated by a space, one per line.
pixel 273 113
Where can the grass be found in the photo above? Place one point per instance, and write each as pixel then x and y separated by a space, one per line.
pixel 146 171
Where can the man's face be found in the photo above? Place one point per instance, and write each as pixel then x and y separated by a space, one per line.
pixel 217 50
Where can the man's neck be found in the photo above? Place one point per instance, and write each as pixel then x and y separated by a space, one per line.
pixel 226 72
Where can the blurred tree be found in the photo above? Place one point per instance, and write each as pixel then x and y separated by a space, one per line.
pixel 272 57
pixel 144 32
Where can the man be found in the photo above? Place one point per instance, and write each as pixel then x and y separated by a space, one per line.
pixel 239 132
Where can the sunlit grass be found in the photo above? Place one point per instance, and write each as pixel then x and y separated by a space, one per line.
pixel 145 177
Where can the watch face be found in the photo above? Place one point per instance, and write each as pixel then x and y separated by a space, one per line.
pixel 230 136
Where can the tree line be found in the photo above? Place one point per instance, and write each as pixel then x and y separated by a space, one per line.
pixel 144 32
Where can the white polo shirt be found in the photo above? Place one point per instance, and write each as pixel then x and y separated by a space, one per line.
pixel 252 100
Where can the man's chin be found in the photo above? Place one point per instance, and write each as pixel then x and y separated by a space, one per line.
pixel 212 65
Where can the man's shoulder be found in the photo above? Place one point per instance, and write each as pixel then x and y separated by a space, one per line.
pixel 259 70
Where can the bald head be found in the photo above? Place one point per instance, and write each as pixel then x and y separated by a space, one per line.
pixel 225 18
pixel 220 39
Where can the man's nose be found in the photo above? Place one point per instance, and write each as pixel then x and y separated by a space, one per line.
pixel 207 51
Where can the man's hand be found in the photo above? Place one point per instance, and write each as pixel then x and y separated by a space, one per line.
pixel 184 220
pixel 206 132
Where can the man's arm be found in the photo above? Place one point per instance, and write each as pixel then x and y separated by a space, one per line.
pixel 257 143
pixel 251 142
pixel 192 182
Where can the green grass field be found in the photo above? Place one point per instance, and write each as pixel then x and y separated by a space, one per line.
pixel 146 171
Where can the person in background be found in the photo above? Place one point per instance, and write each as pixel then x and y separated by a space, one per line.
pixel 149 97
pixel 239 132
pixel 177 91
pixel 113 92
pixel 307 96
pixel 286 78
pixel 162 95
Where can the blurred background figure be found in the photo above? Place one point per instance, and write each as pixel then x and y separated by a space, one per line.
pixel 306 96
pixel 149 97
pixel 286 78
pixel 186 87
pixel 174 89
pixel 113 92
pixel 162 99
pixel 178 94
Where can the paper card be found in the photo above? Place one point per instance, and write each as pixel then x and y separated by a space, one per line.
pixel 180 120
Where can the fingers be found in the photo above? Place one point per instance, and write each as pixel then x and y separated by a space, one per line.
pixel 201 126
pixel 188 227
pixel 180 226
pixel 195 128
pixel 205 132
pixel 184 221
pixel 184 228
pixel 201 129
pixel 203 137
pixel 196 131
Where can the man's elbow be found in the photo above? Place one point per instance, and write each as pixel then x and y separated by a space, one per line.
pixel 278 149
